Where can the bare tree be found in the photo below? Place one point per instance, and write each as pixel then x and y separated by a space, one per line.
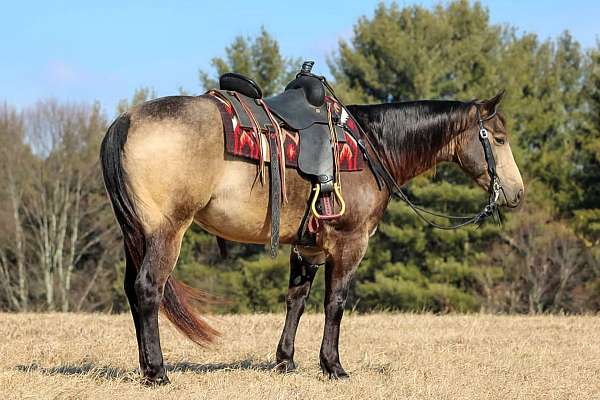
pixel 14 156
pixel 66 207
pixel 542 259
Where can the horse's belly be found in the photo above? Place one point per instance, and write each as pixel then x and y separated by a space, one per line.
pixel 239 206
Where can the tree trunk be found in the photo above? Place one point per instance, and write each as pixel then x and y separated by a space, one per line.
pixel 9 290
pixel 61 234
pixel 19 248
pixel 75 219
pixel 46 252
pixel 92 281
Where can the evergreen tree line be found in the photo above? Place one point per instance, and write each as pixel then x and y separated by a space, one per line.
pixel 60 246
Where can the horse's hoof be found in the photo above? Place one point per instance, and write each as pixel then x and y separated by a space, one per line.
pixel 286 366
pixel 334 371
pixel 158 381
pixel 339 375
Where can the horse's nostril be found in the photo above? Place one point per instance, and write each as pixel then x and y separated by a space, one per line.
pixel 519 196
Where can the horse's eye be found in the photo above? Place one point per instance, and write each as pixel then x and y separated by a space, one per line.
pixel 499 141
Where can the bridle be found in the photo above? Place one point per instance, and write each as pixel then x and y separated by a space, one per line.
pixel 381 172
pixel 495 187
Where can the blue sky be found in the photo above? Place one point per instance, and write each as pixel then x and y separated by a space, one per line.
pixel 85 51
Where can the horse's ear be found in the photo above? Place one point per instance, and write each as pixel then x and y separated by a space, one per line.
pixel 490 105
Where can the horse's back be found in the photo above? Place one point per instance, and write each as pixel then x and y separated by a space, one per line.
pixel 178 112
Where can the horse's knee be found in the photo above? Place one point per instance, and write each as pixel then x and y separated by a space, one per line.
pixel 296 297
pixel 293 301
pixel 335 305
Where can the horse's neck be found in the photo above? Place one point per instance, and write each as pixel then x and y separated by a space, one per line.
pixel 404 174
pixel 410 152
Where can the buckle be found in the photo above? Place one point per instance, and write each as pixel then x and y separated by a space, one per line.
pixel 483 133
pixel 271 131
pixel 496 188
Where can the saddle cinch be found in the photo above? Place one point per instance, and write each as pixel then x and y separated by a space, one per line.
pixel 319 141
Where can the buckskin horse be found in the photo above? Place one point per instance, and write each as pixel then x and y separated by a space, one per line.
pixel 165 167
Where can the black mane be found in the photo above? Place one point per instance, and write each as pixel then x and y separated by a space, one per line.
pixel 411 134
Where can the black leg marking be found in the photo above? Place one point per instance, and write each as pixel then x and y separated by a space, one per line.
pixel 301 278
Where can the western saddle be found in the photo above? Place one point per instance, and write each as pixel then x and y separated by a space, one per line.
pixel 301 107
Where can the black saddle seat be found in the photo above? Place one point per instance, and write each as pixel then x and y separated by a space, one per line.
pixel 294 109
pixel 300 105
pixel 312 86
pixel 303 101
pixel 241 84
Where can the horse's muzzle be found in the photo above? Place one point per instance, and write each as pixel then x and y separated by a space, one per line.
pixel 516 200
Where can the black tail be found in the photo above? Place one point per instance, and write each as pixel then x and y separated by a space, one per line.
pixel 178 297
pixel 111 158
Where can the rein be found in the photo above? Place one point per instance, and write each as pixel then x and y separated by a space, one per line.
pixel 382 172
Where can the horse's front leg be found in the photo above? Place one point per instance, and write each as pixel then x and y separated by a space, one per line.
pixel 302 273
pixel 344 258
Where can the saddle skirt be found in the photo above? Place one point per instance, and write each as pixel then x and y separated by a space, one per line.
pixel 241 139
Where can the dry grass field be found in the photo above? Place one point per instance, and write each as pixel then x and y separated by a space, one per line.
pixel 389 356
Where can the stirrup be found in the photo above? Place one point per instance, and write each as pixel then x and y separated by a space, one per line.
pixel 338 196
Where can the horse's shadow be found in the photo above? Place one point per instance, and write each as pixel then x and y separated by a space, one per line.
pixel 115 373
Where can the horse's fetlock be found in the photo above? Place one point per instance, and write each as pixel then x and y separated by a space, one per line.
pixel 285 352
pixel 329 356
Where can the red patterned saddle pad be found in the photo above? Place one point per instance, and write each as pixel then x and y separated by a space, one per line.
pixel 245 143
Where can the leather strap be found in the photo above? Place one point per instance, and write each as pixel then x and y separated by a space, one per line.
pixel 275 199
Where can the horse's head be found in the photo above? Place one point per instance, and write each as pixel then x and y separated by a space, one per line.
pixel 470 153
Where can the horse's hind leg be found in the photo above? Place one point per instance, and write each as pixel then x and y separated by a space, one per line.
pixel 302 273
pixel 162 250
pixel 129 286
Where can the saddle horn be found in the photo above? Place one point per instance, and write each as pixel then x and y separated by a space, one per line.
pixel 307 67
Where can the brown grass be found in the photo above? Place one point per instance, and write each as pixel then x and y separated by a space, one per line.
pixel 389 356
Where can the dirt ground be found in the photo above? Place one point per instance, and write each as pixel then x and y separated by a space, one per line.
pixel 389 356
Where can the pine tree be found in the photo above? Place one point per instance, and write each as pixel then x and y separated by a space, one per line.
pixel 258 58
pixel 140 95
pixel 587 156
pixel 454 52
pixel 412 53
pixel 416 53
